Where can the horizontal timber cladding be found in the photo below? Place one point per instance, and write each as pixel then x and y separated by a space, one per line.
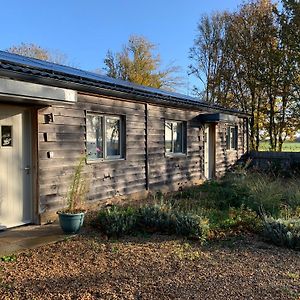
pixel 173 171
pixel 62 137
pixel 226 158
pixel 62 142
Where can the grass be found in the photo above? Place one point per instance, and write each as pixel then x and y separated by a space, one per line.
pixel 287 146
pixel 253 190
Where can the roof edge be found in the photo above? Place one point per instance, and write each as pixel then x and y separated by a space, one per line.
pixel 113 87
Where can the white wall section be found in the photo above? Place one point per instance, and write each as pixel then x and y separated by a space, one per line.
pixel 9 87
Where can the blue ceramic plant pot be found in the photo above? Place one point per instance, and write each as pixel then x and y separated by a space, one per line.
pixel 71 223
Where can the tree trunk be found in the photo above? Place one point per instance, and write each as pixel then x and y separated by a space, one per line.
pixel 257 121
pixel 282 124
pixel 271 123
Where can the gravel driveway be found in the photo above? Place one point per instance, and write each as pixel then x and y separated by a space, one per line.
pixel 154 267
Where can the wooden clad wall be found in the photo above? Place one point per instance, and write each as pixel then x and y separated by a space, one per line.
pixel 173 171
pixel 62 141
pixel 60 145
pixel 226 158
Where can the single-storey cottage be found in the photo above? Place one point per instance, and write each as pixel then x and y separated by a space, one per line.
pixel 136 139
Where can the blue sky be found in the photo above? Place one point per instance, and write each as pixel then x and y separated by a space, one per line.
pixel 85 30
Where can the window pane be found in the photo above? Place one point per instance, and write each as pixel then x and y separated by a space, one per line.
pixel 228 138
pixel 236 138
pixel 113 136
pixel 177 135
pixel 232 137
pixel 94 137
pixel 168 137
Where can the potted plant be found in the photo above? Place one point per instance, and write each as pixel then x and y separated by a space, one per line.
pixel 71 218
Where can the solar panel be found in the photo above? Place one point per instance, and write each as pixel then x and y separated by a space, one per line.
pixel 66 70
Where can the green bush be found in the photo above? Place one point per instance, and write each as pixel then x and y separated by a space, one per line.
pixel 224 194
pixel 156 218
pixel 117 221
pixel 254 190
pixel 165 219
pixel 242 218
pixel 161 218
pixel 250 188
pixel 233 221
pixel 291 194
pixel 272 193
pixel 264 191
pixel 232 205
pixel 283 232
pixel 191 226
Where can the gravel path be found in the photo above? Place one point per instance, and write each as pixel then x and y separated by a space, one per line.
pixel 156 267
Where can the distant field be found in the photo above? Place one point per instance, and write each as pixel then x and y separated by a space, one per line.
pixel 287 147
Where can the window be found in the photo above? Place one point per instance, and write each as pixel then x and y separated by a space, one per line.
pixel 104 137
pixel 232 138
pixel 175 137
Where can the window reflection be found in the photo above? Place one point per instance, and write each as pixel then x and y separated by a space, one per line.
pixel 112 136
pixel 103 136
pixel 174 137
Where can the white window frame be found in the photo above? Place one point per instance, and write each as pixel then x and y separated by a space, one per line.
pixel 231 137
pixel 106 157
pixel 183 138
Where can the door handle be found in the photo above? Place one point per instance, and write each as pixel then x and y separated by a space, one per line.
pixel 27 169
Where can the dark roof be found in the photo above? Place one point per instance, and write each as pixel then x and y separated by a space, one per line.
pixel 31 68
pixel 216 117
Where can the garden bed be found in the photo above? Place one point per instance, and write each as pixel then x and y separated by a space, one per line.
pixel 152 267
pixel 219 251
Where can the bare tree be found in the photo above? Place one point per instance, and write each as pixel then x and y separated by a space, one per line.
pixel 36 51
pixel 208 57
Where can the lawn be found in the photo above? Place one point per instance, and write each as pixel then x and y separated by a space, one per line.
pixel 287 146
pixel 153 267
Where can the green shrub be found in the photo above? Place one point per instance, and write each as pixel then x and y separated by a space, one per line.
pixel 117 221
pixel 224 194
pixel 265 191
pixel 253 189
pixel 291 194
pixel 232 205
pixel 191 226
pixel 272 193
pixel 242 218
pixel 288 212
pixel 283 232
pixel 187 205
pixel 165 219
pixel 156 218
pixel 233 221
